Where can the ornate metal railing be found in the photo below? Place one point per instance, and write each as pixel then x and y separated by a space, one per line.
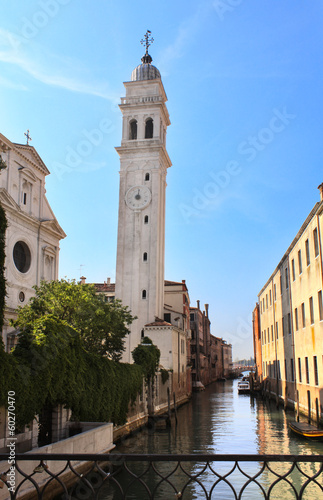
pixel 119 476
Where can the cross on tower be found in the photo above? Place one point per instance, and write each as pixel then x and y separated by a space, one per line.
pixel 147 41
pixel 28 137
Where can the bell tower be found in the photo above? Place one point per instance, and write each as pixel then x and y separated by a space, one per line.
pixel 141 221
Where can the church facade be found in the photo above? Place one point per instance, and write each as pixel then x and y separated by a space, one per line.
pixel 33 233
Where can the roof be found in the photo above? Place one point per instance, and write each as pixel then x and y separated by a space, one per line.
pixel 105 287
pixel 159 322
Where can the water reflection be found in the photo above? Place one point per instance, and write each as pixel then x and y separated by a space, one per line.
pixel 220 421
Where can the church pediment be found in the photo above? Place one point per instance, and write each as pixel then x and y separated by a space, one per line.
pixel 7 201
pixel 28 174
pixel 53 226
pixel 30 154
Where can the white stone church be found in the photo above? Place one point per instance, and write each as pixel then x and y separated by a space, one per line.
pixel 33 233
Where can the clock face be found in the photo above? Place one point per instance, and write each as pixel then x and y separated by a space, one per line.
pixel 138 197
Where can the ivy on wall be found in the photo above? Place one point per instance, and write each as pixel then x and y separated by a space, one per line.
pixel 3 227
pixel 53 368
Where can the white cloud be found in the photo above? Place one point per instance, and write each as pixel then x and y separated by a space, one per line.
pixel 49 68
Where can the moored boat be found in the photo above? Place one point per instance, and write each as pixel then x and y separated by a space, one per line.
pixel 244 386
pixel 306 430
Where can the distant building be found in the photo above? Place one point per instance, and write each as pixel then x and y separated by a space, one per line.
pixel 291 320
pixel 211 357
pixel 33 233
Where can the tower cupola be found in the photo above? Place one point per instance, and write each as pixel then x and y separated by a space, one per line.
pixel 145 70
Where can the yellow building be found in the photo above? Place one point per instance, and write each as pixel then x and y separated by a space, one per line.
pixel 291 321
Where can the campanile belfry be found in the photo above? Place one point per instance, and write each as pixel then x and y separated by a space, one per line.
pixel 141 223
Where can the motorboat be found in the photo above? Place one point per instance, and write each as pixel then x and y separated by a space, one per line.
pixel 244 386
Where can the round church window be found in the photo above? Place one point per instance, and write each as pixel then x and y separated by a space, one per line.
pixel 21 296
pixel 21 256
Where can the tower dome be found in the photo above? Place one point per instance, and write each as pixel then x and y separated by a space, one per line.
pixel 145 70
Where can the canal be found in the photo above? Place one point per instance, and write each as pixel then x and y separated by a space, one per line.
pixel 219 421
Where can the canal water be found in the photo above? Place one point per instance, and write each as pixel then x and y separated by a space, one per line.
pixel 219 421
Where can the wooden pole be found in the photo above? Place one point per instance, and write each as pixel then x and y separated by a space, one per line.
pixel 317 412
pixel 297 406
pixel 168 422
pixel 175 409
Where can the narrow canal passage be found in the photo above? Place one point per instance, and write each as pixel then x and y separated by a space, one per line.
pixel 217 421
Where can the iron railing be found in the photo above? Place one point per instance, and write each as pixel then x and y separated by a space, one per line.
pixel 117 476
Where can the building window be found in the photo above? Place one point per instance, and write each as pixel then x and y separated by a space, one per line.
pixel 311 310
pixel 277 329
pixel 260 307
pixel 22 256
pixel 133 130
pixel 275 294
pixel 286 277
pixel 307 251
pixel 266 300
pixel 272 333
pixel 149 129
pixel 300 269
pixel 293 269
pixel 316 242
pixel 22 297
pixel 192 317
pixel 283 325
pixel 303 315
pixel 147 177
pixel 144 294
pixel 270 299
pixel 320 299
pixel 167 317
pixel 145 257
pixel 316 375
pixel 279 373
pixel 268 335
pixel 265 336
pixel 292 369
pixel 307 371
pixel 299 370
pixel 146 219
pixel 296 318
pixel 289 324
pixel 24 200
pixel 285 370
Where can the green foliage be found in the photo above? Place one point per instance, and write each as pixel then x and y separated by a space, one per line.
pixel 68 352
pixel 3 227
pixel 102 326
pixel 164 375
pixel 50 367
pixel 147 356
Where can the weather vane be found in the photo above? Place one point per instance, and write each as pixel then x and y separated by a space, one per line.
pixel 148 40
pixel 28 137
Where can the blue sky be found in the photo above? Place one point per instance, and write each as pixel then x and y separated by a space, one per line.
pixel 244 86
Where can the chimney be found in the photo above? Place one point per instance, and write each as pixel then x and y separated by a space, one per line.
pixel 198 304
pixel 320 187
pixel 207 310
pixel 108 281
pixel 82 278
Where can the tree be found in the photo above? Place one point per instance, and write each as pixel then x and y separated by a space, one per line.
pixel 101 326
pixel 147 355
pixel 3 227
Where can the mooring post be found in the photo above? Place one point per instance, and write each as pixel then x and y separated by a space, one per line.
pixel 317 412
pixel 297 406
pixel 168 421
pixel 175 409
